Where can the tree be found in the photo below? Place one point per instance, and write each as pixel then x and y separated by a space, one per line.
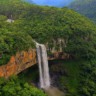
pixel 16 87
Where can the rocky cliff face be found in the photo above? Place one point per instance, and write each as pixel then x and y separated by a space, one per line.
pixel 25 59
pixel 18 63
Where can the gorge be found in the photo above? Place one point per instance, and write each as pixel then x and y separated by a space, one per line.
pixel 70 40
pixel 44 72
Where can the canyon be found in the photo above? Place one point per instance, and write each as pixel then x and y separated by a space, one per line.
pixel 25 59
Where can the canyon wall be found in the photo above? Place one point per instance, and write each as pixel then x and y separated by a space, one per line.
pixel 23 60
pixel 19 62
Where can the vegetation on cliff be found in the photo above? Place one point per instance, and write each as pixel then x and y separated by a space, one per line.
pixel 47 25
pixel 75 77
pixel 12 41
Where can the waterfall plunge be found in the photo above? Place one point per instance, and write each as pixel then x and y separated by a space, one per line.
pixel 43 66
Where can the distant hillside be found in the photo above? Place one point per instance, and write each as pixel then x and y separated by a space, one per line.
pixel 86 7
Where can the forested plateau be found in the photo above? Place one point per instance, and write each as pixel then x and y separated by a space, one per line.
pixel 46 25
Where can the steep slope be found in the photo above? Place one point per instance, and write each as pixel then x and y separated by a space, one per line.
pixel 56 28
pixel 85 7
pixel 46 25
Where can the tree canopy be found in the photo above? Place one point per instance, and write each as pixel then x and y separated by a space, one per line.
pixel 54 27
pixel 45 25
pixel 18 87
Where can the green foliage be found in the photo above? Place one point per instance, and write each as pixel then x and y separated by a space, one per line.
pixel 12 42
pixel 16 87
pixel 69 75
pixel 85 7
pixel 13 9
pixel 88 78
pixel 46 25
pixel 76 77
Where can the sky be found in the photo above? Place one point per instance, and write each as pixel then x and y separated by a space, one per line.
pixel 58 3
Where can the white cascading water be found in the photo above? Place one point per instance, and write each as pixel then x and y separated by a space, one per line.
pixel 43 66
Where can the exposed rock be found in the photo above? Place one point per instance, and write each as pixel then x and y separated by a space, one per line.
pixel 23 60
pixel 59 55
pixel 18 63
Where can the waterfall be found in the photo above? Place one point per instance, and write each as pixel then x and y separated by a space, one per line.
pixel 43 66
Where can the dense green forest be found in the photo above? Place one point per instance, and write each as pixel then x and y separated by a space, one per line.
pixel 85 7
pixel 46 25
pixel 15 86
